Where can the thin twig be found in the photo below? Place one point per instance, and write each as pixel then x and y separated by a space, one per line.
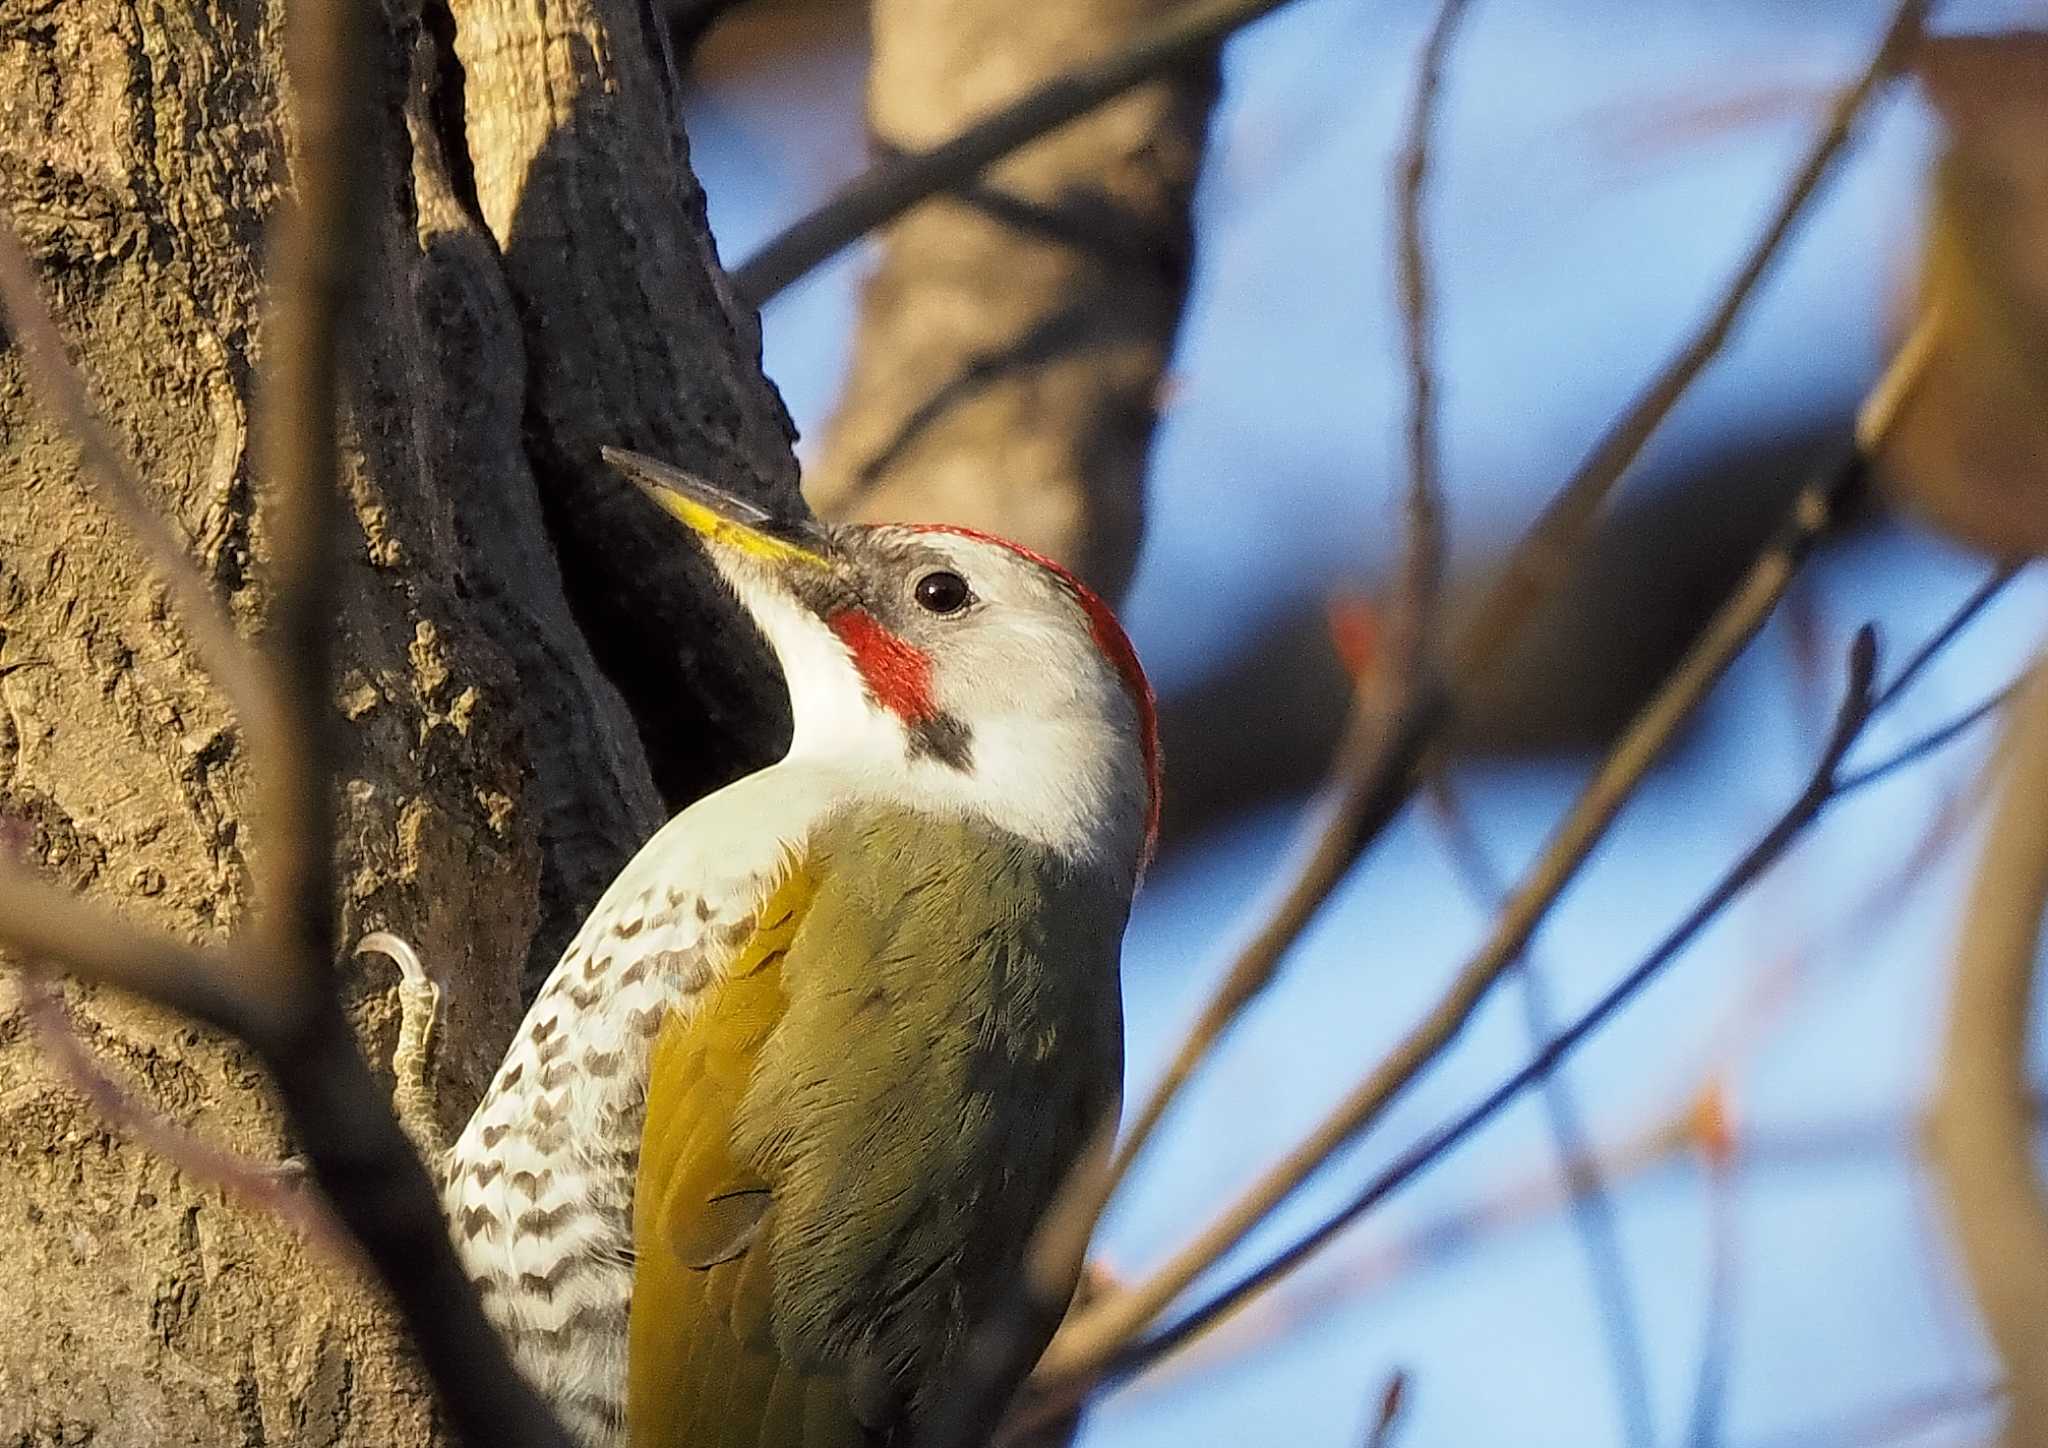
pixel 1966 614
pixel 1981 1126
pixel 1717 1335
pixel 903 179
pixel 1593 1213
pixel 64 392
pixel 1393 1401
pixel 1374 772
pixel 1544 555
pixel 270 1189
pixel 1812 800
pixel 1936 738
pixel 1092 1339
pixel 1424 564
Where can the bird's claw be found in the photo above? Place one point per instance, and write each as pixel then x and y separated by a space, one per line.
pixel 412 1060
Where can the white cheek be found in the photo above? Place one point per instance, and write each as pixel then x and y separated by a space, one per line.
pixel 1055 754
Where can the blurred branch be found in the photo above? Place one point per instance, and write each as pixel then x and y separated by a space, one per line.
pixel 1981 1124
pixel 1671 549
pixel 41 921
pixel 64 392
pixel 1374 773
pixel 892 186
pixel 269 1189
pixel 1542 559
pixel 313 255
pixel 1826 786
pixel 1372 732
pixel 1812 800
pixel 1039 304
pixel 1085 1345
pixel 1422 580
pixel 1635 1161
pixel 1717 1332
pixel 1387 1414
pixel 279 997
pixel 1700 1123
pixel 1592 1206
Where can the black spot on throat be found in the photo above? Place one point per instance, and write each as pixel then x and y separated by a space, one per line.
pixel 944 738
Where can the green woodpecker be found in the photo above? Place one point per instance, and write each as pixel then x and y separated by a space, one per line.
pixel 779 1126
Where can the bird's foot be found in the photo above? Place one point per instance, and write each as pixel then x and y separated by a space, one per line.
pixel 412 1061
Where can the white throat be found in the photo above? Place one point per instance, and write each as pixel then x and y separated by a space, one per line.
pixel 1064 782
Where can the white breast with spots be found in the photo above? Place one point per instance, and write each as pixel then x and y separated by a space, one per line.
pixel 540 1183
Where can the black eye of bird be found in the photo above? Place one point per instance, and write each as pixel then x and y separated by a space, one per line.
pixel 943 592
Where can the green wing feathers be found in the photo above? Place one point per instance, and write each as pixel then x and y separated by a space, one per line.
pixel 703 1370
pixel 848 1145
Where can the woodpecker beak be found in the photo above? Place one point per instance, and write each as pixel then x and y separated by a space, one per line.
pixel 727 524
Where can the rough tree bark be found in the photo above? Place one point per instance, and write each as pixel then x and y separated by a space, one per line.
pixel 1013 338
pixel 539 280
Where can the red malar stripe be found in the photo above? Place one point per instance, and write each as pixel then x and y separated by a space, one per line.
pixel 898 674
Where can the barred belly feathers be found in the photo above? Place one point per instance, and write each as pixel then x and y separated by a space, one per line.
pixel 777 1129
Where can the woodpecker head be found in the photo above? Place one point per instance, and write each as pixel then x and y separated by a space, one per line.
pixel 944 667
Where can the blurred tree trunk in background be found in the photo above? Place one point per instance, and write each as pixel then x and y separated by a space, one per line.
pixel 538 280
pixel 1013 339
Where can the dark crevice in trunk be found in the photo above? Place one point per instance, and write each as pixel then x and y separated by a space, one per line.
pixel 446 105
pixel 709 704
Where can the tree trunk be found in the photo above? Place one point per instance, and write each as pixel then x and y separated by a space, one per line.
pixel 538 281
pixel 1014 337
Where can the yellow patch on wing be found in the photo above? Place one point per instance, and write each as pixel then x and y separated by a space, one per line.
pixel 703 1370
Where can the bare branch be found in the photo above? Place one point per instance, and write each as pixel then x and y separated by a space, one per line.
pixel 899 182
pixel 1086 1344
pixel 40 921
pixel 1812 800
pixel 316 244
pixel 1387 1413
pixel 1981 1128
pixel 271 1188
pixel 1423 567
pixel 1592 1206
pixel 1541 560
pixel 1373 775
